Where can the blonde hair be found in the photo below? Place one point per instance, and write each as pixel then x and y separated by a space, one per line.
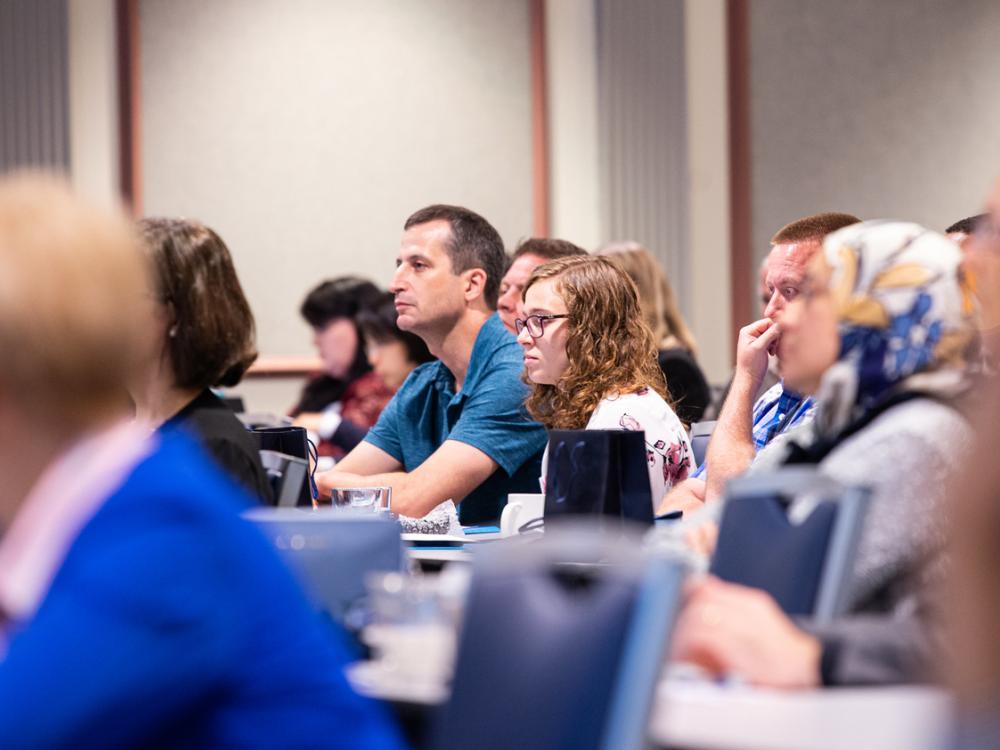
pixel 609 346
pixel 71 314
pixel 656 296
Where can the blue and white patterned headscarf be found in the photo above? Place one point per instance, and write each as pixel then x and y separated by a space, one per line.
pixel 907 319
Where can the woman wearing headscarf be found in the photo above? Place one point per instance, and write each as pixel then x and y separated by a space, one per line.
pixel 883 335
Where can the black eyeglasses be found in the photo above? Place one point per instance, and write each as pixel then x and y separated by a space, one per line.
pixel 535 324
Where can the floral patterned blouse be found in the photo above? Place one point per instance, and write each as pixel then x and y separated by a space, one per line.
pixel 668 450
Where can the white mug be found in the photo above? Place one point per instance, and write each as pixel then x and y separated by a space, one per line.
pixel 519 510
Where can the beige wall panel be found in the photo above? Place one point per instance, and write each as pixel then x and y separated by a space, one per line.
pixel 884 108
pixel 305 132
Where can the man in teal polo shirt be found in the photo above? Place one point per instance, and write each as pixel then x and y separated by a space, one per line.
pixel 457 428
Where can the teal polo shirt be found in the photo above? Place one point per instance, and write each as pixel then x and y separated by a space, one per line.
pixel 487 414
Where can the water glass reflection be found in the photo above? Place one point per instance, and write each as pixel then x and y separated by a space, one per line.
pixel 375 499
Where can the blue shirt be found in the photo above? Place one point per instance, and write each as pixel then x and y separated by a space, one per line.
pixel 776 411
pixel 172 623
pixel 488 414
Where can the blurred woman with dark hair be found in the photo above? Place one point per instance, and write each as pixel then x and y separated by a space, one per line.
pixel 205 339
pixel 347 392
pixel 392 354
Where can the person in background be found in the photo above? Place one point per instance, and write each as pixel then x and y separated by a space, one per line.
pixel 528 255
pixel 746 425
pixel 771 377
pixel 347 392
pixel 393 354
pixel 590 358
pixel 457 429
pixel 882 335
pixel 204 339
pixel 137 609
pixel 686 383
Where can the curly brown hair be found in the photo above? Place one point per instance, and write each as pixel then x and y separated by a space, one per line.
pixel 609 346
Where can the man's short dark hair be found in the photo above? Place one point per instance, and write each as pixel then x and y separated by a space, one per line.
pixel 343 297
pixel 814 227
pixel 547 248
pixel 474 243
pixel 967 225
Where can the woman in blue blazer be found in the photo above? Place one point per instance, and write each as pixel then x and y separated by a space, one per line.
pixel 138 609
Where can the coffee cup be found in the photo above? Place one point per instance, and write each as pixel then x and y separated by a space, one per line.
pixel 519 510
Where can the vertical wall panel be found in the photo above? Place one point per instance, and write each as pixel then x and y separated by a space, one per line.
pixel 34 119
pixel 642 129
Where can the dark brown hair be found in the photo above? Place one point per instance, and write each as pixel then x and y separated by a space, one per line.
pixel 814 227
pixel 609 347
pixel 967 225
pixel 343 297
pixel 211 342
pixel 474 243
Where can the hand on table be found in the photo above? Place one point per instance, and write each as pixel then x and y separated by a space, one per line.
pixel 729 629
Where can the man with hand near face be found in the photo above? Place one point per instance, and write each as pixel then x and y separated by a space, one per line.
pixel 745 426
pixel 457 428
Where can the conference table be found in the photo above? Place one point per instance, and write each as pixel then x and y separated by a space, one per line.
pixel 692 713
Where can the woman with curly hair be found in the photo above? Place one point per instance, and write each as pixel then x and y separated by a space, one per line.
pixel 591 361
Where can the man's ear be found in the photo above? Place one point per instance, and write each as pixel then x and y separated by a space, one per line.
pixel 475 284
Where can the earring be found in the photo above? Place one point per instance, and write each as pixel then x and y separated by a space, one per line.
pixel 172 333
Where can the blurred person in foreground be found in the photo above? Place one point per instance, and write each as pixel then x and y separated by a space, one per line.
pixel 676 347
pixel 973 593
pixel 457 429
pixel 526 258
pixel 982 260
pixel 204 338
pixel 747 423
pixel 591 360
pixel 882 334
pixel 138 609
pixel 347 397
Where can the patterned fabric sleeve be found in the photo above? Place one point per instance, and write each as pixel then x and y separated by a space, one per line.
pixel 668 450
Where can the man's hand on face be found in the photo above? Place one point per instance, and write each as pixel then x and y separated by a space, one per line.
pixel 755 342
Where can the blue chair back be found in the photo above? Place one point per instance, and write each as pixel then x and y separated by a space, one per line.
pixel 332 550
pixel 701 433
pixel 805 564
pixel 560 656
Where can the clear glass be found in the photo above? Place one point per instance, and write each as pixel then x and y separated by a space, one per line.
pixel 375 499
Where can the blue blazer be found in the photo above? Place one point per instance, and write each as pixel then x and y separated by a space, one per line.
pixel 173 624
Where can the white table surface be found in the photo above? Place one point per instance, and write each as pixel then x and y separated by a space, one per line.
pixel 712 716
